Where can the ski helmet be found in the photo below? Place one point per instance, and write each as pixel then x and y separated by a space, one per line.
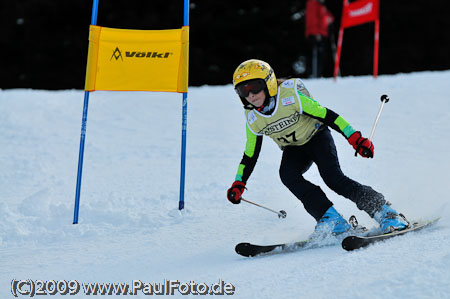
pixel 255 69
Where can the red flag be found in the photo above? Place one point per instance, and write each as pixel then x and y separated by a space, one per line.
pixel 360 12
pixel 357 13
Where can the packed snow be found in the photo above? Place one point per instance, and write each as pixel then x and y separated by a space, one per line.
pixel 130 228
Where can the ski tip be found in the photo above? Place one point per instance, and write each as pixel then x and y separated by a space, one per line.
pixel 241 248
pixel 350 243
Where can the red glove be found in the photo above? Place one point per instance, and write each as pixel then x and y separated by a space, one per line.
pixel 235 192
pixel 362 145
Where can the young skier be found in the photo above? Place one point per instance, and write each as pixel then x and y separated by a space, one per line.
pixel 286 112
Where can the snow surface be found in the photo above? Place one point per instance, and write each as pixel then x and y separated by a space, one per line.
pixel 130 228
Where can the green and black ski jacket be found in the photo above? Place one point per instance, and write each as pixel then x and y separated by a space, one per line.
pixel 296 118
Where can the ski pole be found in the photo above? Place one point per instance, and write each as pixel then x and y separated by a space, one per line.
pixel 281 213
pixel 384 99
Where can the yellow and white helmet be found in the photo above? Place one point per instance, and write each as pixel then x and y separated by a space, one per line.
pixel 256 69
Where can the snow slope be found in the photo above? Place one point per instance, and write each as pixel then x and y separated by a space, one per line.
pixel 129 226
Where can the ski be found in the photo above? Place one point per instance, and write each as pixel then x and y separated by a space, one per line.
pixel 249 250
pixel 356 242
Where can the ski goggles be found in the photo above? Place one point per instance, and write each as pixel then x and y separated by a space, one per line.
pixel 254 86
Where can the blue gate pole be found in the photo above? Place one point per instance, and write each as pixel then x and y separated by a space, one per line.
pixel 183 152
pixel 83 131
pixel 183 124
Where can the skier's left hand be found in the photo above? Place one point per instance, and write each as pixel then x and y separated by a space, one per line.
pixel 235 192
pixel 363 146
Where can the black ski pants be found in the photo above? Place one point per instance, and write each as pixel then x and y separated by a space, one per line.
pixel 321 150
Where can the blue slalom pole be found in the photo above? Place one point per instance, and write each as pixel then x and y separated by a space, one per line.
pixel 186 13
pixel 183 124
pixel 83 131
pixel 183 151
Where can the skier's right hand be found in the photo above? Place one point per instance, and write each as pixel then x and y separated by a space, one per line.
pixel 363 146
pixel 235 192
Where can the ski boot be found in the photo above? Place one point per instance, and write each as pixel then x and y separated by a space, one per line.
pixel 390 220
pixel 331 222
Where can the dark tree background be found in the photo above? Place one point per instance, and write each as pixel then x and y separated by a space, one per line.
pixel 43 43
